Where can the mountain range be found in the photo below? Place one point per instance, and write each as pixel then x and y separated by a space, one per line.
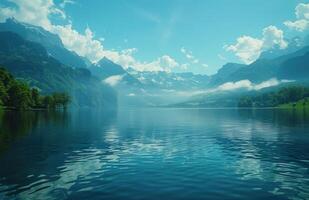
pixel 40 58
pixel 290 66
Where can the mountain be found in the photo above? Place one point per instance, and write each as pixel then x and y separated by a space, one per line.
pixel 51 42
pixel 296 68
pixel 106 68
pixel 224 72
pixel 170 81
pixel 292 66
pixel 31 62
pixel 262 69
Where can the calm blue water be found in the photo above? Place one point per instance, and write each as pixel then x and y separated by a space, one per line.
pixel 155 153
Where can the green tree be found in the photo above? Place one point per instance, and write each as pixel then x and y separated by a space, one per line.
pixel 19 96
pixel 5 80
pixel 245 102
pixel 5 77
pixel 285 95
pixel 35 95
pixel 3 94
pixel 48 102
pixel 61 100
pixel 65 100
pixel 305 102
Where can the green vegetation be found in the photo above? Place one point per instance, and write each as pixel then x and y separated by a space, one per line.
pixel 18 95
pixel 301 104
pixel 293 96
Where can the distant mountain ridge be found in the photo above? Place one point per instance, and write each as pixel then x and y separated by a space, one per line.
pixel 51 42
pixel 106 68
pixel 170 80
pixel 263 69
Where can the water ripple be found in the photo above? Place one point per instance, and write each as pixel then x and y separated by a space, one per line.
pixel 176 154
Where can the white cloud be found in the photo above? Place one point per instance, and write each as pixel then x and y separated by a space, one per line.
pixel 83 44
pixel 66 2
pixel 35 12
pixel 302 11
pixel 113 80
pixel 195 61
pixel 298 25
pixel 168 61
pixel 302 15
pixel 191 58
pixel 248 49
pixel 131 95
pixel 86 45
pixel 235 85
pixel 164 63
pixel 188 54
pixel 232 86
pixel 248 85
pixel 38 12
pixel 273 37
pixel 5 13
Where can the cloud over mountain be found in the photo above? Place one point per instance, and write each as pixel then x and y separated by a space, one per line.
pixel 40 12
pixel 248 49
pixel 248 85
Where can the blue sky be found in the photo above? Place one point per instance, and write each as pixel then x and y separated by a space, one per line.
pixel 193 33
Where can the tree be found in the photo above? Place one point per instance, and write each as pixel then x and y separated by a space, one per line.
pixel 5 77
pixel 245 102
pixel 305 102
pixel 19 95
pixel 61 99
pixel 283 96
pixel 35 95
pixel 5 80
pixel 16 94
pixel 48 102
pixel 65 100
pixel 3 94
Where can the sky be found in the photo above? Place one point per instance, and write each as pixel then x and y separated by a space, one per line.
pixel 196 36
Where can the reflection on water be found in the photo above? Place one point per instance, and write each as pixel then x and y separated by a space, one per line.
pixel 154 153
pixel 17 124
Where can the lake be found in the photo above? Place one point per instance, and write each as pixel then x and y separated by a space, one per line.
pixel 155 153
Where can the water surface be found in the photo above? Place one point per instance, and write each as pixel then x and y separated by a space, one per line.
pixel 155 153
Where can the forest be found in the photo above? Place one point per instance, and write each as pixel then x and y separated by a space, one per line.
pixel 16 94
pixel 286 95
